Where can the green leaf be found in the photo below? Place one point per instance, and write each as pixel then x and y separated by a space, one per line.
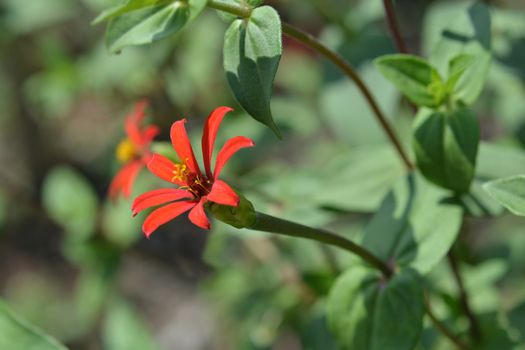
pixel 445 145
pixel 456 68
pixel 252 51
pixel 414 227
pixel 510 192
pixel 472 80
pixel 70 200
pixel 367 312
pixel 16 334
pixel 414 77
pixel 145 21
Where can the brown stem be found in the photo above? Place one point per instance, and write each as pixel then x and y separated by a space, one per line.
pixel 442 328
pixel 394 26
pixel 349 71
pixel 463 297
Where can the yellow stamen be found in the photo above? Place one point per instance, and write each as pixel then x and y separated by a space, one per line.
pixel 180 173
pixel 126 151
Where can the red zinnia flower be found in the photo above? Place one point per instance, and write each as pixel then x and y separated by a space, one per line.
pixel 133 152
pixel 195 188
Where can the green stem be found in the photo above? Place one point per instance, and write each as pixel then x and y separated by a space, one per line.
pixel 268 223
pixel 235 9
pixel 272 224
pixel 310 41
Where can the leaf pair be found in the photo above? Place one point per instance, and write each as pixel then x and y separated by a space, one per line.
pixel 422 84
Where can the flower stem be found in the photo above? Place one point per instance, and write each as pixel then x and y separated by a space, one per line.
pixel 310 41
pixel 272 224
pixel 394 27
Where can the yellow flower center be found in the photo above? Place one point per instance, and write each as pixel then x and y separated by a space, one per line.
pixel 126 151
pixel 180 173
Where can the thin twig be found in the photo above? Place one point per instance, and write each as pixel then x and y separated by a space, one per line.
pixel 349 71
pixel 463 297
pixel 442 328
pixel 394 26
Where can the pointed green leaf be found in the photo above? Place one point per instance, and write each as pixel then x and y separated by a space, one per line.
pixel 367 312
pixel 252 51
pixel 456 68
pixel 510 192
pixel 133 24
pixel 16 334
pixel 414 77
pixel 446 146
pixel 414 227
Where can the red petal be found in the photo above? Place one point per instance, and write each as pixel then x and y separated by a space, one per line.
pixel 163 168
pixel 158 197
pixel 210 132
pixel 221 193
pixel 181 143
pixel 228 150
pixel 123 181
pixel 163 215
pixel 133 121
pixel 198 216
pixel 148 134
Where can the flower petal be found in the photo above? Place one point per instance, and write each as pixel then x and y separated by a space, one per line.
pixel 123 181
pixel 198 215
pixel 148 134
pixel 228 150
pixel 164 214
pixel 133 121
pixel 163 168
pixel 158 197
pixel 210 132
pixel 222 193
pixel 181 143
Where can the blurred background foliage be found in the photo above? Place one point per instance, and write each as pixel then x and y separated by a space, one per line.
pixel 76 265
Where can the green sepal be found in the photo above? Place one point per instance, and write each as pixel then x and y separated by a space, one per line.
pixel 241 216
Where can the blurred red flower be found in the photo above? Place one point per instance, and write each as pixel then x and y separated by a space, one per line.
pixel 133 151
pixel 195 188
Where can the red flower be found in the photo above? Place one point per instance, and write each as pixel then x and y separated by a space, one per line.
pixel 133 152
pixel 195 187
